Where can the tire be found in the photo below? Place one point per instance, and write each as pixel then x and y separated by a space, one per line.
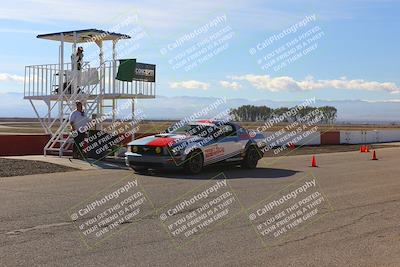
pixel 140 169
pixel 251 158
pixel 195 162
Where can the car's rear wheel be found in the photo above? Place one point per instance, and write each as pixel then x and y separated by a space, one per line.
pixel 251 158
pixel 194 163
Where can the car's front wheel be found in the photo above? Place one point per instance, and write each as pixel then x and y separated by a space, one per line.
pixel 251 158
pixel 194 163
pixel 140 169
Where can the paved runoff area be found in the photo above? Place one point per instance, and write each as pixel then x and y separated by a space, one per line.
pixel 345 212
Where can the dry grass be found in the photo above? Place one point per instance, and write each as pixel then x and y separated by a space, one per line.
pixel 34 127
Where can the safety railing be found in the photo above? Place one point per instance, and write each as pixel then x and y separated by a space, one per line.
pixel 44 80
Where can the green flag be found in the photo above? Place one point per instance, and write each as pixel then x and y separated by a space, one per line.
pixel 126 70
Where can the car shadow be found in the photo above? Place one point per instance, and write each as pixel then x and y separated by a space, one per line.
pixel 231 172
pixel 107 164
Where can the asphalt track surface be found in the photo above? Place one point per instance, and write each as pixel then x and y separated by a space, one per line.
pixel 362 229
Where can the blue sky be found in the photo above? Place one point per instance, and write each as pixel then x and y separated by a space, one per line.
pixel 356 57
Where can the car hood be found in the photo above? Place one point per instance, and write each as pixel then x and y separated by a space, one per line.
pixel 163 140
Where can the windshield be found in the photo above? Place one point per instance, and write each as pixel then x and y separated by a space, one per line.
pixel 194 129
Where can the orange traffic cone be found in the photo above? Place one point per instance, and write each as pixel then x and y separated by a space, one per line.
pixel 362 148
pixel 374 156
pixel 314 162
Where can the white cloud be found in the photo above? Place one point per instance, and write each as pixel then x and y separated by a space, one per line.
pixel 102 12
pixel 232 85
pixel 5 77
pixel 286 83
pixel 192 84
pixel 153 14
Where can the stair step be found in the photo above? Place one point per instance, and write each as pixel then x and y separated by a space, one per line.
pixel 64 141
pixel 58 149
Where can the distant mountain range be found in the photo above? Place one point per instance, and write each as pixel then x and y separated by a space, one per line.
pixel 356 111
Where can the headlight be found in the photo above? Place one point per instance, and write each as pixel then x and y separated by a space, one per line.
pixel 158 150
pixel 134 149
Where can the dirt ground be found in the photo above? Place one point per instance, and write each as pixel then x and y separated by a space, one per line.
pixel 16 167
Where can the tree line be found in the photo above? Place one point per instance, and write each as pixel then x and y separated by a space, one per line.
pixel 263 113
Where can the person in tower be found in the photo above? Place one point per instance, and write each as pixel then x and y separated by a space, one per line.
pixel 77 63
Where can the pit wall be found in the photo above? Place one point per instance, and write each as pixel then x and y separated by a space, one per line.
pixel 18 145
pixel 366 137
pixel 348 137
pixel 311 139
pixel 33 144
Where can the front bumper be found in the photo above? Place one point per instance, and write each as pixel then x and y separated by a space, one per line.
pixel 152 161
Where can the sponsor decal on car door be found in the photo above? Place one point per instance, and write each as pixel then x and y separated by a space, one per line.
pixel 225 146
pixel 214 151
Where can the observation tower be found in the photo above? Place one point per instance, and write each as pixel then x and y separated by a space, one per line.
pixel 99 88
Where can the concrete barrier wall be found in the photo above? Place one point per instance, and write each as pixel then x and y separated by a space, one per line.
pixel 389 136
pixel 330 138
pixel 351 137
pixel 18 145
pixel 305 138
pixel 363 137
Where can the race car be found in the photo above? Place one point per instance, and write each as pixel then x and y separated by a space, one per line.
pixel 191 146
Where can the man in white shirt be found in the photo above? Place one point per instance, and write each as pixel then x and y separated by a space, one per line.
pixel 78 122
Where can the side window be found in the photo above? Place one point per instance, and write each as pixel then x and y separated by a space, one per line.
pixel 227 130
pixel 241 131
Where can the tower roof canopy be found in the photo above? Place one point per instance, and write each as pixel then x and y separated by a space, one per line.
pixel 82 36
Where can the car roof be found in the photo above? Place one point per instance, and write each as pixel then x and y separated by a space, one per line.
pixel 209 122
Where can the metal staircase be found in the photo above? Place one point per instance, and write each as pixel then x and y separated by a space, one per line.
pixel 61 141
